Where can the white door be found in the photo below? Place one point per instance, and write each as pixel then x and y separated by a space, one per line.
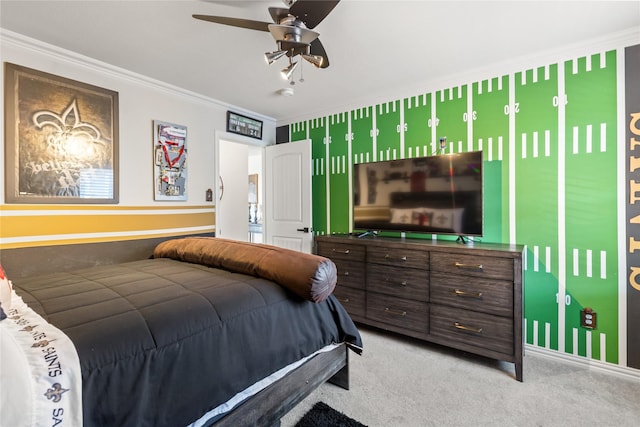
pixel 288 196
pixel 232 202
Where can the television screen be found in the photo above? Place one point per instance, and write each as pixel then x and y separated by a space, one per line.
pixel 439 194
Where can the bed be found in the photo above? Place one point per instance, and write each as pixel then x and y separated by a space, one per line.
pixel 205 332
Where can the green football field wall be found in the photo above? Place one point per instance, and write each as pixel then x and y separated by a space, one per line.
pixel 549 140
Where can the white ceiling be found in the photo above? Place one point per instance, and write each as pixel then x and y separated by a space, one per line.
pixel 378 50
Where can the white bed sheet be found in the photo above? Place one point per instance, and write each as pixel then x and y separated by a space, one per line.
pixel 256 388
pixel 39 371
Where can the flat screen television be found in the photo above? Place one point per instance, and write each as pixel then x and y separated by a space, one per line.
pixel 439 194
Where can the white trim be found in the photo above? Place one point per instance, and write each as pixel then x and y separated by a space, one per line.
pixel 590 364
pixel 327 175
pixel 115 212
pixel 562 238
pixel 512 158
pixel 92 236
pixel 350 163
pixel 402 123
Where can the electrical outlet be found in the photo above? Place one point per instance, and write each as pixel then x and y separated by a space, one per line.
pixel 588 318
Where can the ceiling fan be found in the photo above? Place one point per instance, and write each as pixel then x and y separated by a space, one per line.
pixel 292 31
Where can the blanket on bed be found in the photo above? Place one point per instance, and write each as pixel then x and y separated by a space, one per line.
pixel 162 341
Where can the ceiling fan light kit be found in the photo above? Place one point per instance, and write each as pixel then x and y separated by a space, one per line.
pixel 316 60
pixel 291 30
pixel 271 57
pixel 288 71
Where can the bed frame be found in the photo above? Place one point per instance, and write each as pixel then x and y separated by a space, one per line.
pixel 263 409
pixel 267 407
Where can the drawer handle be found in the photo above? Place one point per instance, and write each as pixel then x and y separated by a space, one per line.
pixel 341 252
pixel 346 273
pixel 398 312
pixel 345 300
pixel 460 293
pixel 469 266
pixel 391 280
pixel 404 258
pixel 468 329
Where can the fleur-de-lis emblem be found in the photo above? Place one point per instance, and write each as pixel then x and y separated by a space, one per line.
pixel 68 122
pixel 55 392
pixel 42 343
pixel 67 127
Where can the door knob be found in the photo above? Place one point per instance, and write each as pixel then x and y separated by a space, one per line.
pixel 305 229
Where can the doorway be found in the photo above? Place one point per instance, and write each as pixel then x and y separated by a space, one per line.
pixel 256 194
pixel 277 208
pixel 239 190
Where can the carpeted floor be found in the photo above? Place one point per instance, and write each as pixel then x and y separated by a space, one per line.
pixel 407 383
pixel 323 415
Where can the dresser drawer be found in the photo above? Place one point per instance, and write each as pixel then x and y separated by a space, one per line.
pixel 353 300
pixel 467 327
pixel 350 273
pixel 408 283
pixel 472 293
pixel 338 250
pixel 473 265
pixel 398 256
pixel 402 313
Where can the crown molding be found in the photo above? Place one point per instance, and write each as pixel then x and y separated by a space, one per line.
pixel 10 38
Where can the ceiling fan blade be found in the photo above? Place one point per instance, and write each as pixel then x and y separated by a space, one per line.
pixel 312 12
pixel 235 22
pixel 316 48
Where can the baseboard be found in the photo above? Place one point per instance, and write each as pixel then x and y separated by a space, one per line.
pixel 595 365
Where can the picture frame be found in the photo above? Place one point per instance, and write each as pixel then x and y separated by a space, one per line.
pixel 61 141
pixel 243 125
pixel 170 161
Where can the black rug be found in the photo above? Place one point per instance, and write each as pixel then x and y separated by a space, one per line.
pixel 323 415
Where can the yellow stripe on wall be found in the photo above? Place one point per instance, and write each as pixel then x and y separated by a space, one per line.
pixel 36 225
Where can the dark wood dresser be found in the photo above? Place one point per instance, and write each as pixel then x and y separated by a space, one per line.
pixel 467 297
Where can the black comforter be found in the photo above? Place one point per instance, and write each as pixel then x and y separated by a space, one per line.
pixel 161 341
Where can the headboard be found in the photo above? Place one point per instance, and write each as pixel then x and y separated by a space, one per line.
pixel 31 261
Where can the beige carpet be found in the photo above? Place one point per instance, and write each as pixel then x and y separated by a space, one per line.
pixel 403 382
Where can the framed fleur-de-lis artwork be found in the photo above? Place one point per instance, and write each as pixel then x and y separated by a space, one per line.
pixel 170 164
pixel 61 141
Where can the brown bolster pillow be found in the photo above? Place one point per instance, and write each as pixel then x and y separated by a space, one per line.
pixel 309 276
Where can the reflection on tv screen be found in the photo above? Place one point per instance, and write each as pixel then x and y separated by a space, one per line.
pixel 437 194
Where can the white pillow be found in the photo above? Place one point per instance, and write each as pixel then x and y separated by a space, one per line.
pixel 446 218
pixel 5 290
pixel 401 216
